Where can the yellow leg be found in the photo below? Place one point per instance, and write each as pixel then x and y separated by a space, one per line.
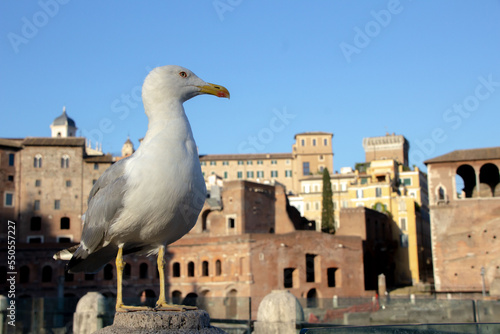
pixel 161 304
pixel 119 278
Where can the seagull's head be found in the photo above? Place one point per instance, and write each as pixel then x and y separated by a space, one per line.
pixel 179 83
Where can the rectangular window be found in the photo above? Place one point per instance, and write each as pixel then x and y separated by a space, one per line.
pixel 225 175
pixel 305 168
pixel 9 200
pixel 57 204
pixel 406 181
pixel 288 277
pixel 314 142
pixel 36 205
pixel 402 224
pixel 359 193
pixel 240 175
pixel 213 163
pixel 404 240
pixel 343 186
pixel 364 180
pixel 274 173
pixel 230 223
pixel 260 173
pixel 203 163
pixel 68 183
pixel 330 273
pixel 38 183
pixel 274 162
pixel 325 142
pixel 249 162
pixel 225 163
pixel 345 204
pixel 10 178
pixel 96 166
pixel 240 162
pixel 288 173
pixel 11 159
pixel 249 175
pixel 310 267
pixel 303 142
pixel 378 192
pixel 260 162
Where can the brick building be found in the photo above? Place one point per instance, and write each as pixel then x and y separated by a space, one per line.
pixel 464 195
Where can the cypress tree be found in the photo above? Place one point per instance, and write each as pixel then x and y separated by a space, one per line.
pixel 327 221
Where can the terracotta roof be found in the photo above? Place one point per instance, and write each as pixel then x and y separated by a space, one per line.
pixel 467 155
pixel 11 142
pixel 48 141
pixel 260 156
pixel 99 158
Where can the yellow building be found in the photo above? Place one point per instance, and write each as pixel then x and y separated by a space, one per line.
pixel 387 185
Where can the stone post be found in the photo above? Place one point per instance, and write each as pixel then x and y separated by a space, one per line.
pixel 142 322
pixel 381 286
pixel 89 311
pixel 278 313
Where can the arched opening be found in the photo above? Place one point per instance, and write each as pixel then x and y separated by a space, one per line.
pixel 465 181
pixel 191 269
pixel 176 269
pixel 204 268
pixel 231 303
pixel 64 223
pixel 143 270
pixel 490 176
pixel 218 268
pixel 204 223
pixel 148 298
pixel 312 298
pixel 190 299
pixel 46 274
pixel 108 272
pixel 176 297
pixel 441 195
pixel 24 274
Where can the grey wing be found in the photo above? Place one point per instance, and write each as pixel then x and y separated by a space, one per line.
pixel 110 175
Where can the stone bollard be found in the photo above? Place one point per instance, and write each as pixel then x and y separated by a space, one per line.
pixel 89 312
pixel 278 313
pixel 141 322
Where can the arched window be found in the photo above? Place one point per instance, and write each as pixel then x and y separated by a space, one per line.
pixel 176 297
pixel 47 274
pixel 108 272
pixel 231 303
pixel 37 161
pixel 218 268
pixel 24 274
pixel 465 181
pixel 191 269
pixel 64 223
pixel 65 161
pixel 143 270
pixel 489 177
pixel 176 269
pixel 312 298
pixel 441 195
pixel 204 268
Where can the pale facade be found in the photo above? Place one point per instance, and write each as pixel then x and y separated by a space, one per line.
pixel 311 153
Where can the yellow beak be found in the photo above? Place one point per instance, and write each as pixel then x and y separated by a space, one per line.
pixel 216 90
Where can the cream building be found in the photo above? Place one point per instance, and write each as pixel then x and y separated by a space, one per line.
pixel 311 153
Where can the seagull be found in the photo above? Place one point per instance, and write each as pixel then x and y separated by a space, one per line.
pixel 153 197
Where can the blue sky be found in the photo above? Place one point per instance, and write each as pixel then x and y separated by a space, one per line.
pixel 429 70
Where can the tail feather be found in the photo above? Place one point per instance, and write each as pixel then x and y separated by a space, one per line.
pixel 91 263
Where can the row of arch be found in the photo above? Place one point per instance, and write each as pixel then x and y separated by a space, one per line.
pixel 190 269
pixel 471 184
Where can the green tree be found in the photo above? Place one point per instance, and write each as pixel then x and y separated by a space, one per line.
pixel 327 221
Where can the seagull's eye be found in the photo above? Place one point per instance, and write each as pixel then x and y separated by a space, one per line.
pixel 183 74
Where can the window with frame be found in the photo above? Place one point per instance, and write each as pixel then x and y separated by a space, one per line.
pixel 57 204
pixel 288 173
pixel 38 183
pixel 11 159
pixel 274 173
pixel 359 193
pixel 36 205
pixel 260 162
pixel 68 183
pixel 65 161
pixel 225 163
pixel 249 162
pixel 225 175
pixel 406 181
pixel 305 168
pixel 260 173
pixel 378 192
pixel 239 175
pixel 403 224
pixel 203 163
pixel 325 142
pixel 314 142
pixel 274 162
pixel 240 162
pixel 9 199
pixel 213 163
pixel 250 175
pixel 37 161
pixel 96 166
